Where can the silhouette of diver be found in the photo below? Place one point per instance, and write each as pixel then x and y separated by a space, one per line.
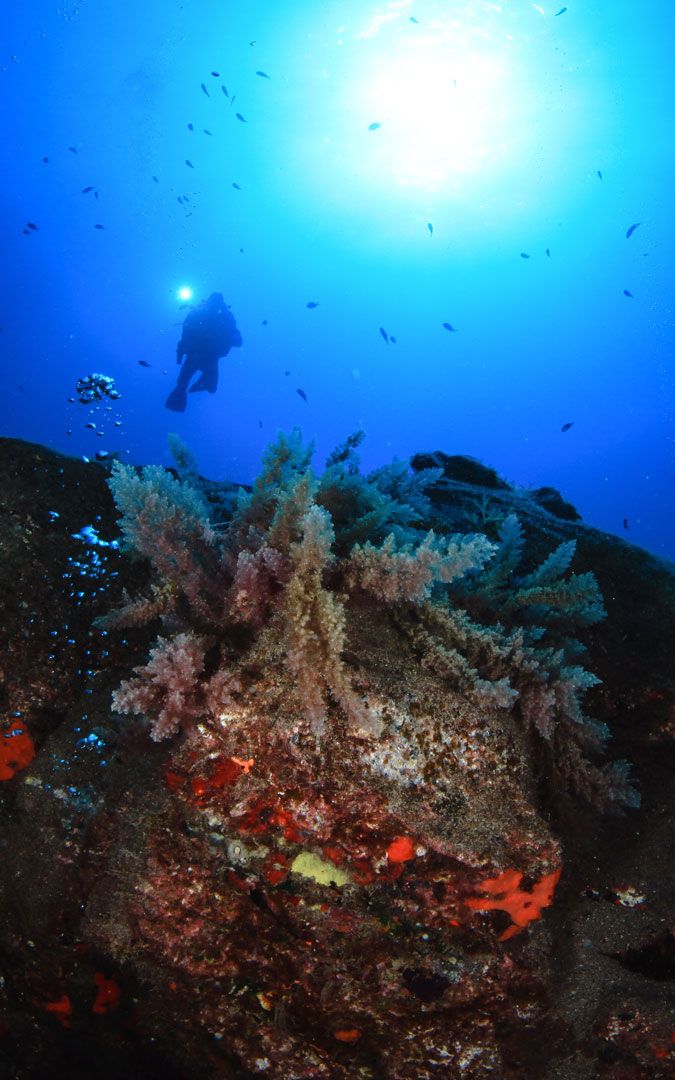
pixel 209 332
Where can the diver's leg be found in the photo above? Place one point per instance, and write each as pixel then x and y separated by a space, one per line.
pixel 177 399
pixel 208 380
pixel 210 377
pixel 188 369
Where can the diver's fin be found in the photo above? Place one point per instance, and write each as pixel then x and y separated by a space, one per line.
pixel 177 400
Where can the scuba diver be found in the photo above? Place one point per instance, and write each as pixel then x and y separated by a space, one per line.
pixel 209 332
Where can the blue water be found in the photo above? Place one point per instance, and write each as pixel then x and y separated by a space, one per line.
pixel 495 122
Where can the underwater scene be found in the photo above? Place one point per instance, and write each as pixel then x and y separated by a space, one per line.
pixel 337 528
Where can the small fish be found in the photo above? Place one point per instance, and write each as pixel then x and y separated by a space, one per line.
pixel 99 226
pixel 234 185
pixel 224 89
pixel 262 74
pixel 232 99
pixel 430 228
pixel 286 372
pixel 191 127
pixel 144 363
pixel 72 149
pixel 626 293
pixel 548 252
pixel 32 225
pixel 239 116
pixel 206 131
pixel 312 303
pixel 155 179
pixel 561 12
pixel 632 229
pixel 205 90
pixel 92 427
pixel 625 523
pixel 392 339
pixel 95 194
pixel 86 190
pixel 252 44
pixel 413 19
pixel 302 394
pixel 450 327
pixel 264 322
pixel 118 423
pixel 259 423
pixel 216 74
pixel 374 126
pixel 384 333
pixel 599 175
pixel 524 255
pixel 566 427
pixel 188 162
pixel 45 161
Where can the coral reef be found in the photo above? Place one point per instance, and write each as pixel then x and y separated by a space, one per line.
pixel 344 819
pixel 274 562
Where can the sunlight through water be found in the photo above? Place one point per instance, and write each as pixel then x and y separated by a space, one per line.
pixel 443 101
pixel 439 117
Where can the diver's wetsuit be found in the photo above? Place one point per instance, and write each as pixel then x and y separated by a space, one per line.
pixel 207 335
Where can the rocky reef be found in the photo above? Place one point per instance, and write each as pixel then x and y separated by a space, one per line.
pixel 340 775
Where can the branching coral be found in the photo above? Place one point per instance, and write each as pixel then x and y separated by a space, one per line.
pixel 512 669
pixel 545 594
pixel 256 585
pixel 300 549
pixel 363 509
pixel 172 689
pixel 409 573
pixel 184 459
pixel 166 521
pixel 315 627
pixel 165 688
pixel 525 655
pixel 285 462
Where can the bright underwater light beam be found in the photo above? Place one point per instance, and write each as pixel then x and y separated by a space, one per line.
pixel 185 293
pixel 444 110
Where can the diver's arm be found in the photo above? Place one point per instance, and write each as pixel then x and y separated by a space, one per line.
pixel 232 330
